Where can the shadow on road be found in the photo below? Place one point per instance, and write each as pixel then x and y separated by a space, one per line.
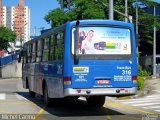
pixel 68 107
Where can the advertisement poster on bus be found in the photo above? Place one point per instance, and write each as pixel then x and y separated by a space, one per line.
pixel 103 40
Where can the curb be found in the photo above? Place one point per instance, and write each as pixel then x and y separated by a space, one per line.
pixel 145 91
pixel 19 78
pixel 152 77
pixel 140 93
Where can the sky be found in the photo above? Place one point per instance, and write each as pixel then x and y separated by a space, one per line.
pixel 38 10
pixel 156 1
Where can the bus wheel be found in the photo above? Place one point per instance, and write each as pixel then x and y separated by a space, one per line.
pixel 96 101
pixel 31 94
pixel 47 100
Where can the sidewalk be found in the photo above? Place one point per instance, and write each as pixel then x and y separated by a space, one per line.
pixel 151 86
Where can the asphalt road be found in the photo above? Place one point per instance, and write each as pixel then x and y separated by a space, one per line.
pixel 16 104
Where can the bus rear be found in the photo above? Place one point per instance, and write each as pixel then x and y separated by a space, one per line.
pixel 100 60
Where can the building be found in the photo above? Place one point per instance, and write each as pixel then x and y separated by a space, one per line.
pixel 16 18
pixel 151 10
pixel 2 14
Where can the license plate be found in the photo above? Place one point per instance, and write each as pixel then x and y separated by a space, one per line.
pixel 102 81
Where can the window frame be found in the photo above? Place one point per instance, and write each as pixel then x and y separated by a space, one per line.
pixel 102 56
pixel 39 50
pixel 45 50
pixel 56 43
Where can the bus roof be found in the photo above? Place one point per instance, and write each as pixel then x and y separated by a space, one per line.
pixel 46 34
pixel 103 21
pixel 83 22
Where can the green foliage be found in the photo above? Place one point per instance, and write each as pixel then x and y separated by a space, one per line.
pixel 143 73
pixel 120 6
pixel 87 9
pixel 146 21
pixel 90 9
pixel 83 9
pixel 56 17
pixel 140 82
pixel 59 51
pixel 6 36
pixel 141 77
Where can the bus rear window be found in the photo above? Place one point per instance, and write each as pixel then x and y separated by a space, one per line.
pixel 103 40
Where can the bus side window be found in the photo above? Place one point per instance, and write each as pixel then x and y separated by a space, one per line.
pixel 24 54
pixel 45 49
pixel 31 49
pixel 52 48
pixel 29 53
pixel 33 52
pixel 59 51
pixel 39 51
pixel 36 49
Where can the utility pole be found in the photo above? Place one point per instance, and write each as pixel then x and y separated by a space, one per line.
pixel 112 10
pixel 136 17
pixel 137 35
pixel 154 46
pixel 126 10
pixel 111 13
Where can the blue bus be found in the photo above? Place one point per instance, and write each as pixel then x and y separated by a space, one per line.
pixel 89 58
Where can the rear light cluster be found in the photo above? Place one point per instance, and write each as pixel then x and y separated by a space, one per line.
pixel 67 80
pixel 134 78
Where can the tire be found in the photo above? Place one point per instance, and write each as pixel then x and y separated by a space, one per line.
pixel 96 101
pixel 47 100
pixel 31 94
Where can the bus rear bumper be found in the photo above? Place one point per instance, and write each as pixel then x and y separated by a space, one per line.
pixel 100 91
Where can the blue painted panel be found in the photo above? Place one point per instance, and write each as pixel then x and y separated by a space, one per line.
pixel 118 73
pixel 50 69
pixel 112 70
pixel 8 59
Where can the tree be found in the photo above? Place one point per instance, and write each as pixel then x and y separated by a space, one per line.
pixel 96 9
pixel 6 36
pixel 146 22
pixel 82 9
pixel 56 17
pixel 87 9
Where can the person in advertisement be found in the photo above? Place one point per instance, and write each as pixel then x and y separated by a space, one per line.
pixel 87 44
pixel 82 37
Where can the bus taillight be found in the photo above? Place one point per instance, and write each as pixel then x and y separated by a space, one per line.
pixel 134 78
pixel 67 80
